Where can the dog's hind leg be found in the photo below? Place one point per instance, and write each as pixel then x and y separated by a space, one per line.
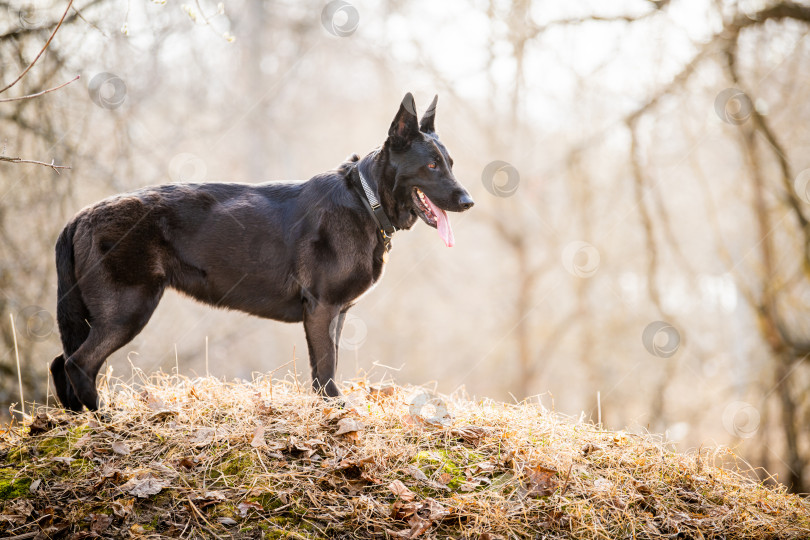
pixel 338 330
pixel 130 309
pixel 64 390
pixel 320 323
pixel 71 315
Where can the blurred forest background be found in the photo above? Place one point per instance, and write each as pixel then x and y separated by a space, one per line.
pixel 639 252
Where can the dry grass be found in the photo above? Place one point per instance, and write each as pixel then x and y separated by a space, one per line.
pixel 176 457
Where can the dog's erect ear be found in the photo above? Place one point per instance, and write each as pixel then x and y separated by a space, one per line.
pixel 426 125
pixel 404 128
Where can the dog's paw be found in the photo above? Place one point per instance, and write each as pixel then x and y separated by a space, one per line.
pixel 342 402
pixel 103 416
pixel 338 402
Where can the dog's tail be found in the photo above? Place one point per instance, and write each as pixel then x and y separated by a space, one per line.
pixel 71 315
pixel 71 311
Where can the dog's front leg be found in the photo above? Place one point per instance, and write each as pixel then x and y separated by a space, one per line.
pixel 318 319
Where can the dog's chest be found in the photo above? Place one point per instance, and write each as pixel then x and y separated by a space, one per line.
pixel 377 274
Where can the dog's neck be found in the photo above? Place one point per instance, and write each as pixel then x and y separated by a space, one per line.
pixel 381 175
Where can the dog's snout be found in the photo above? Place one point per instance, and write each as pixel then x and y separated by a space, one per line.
pixel 465 201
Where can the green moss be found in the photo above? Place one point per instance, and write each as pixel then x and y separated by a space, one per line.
pixel 267 500
pixel 234 464
pixel 282 534
pixel 154 524
pixel 81 465
pixel 290 525
pixel 18 455
pixel 12 486
pixel 222 510
pixel 55 447
pixel 78 431
pixel 442 461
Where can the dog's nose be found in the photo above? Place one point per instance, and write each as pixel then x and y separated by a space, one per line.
pixel 466 202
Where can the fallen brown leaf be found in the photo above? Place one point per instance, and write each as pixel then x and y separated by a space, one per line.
pixel 123 507
pixel 381 392
pixel 417 473
pixel 188 462
pixel 432 510
pixel 120 448
pixel 245 507
pixel 541 481
pixel 589 449
pixel 403 510
pixel 300 448
pixel 258 438
pixel 144 486
pixel 405 533
pixel 41 423
pixel 472 435
pixel 203 437
pixel 213 495
pixel 349 425
pixel 418 526
pixel 100 522
pixel 401 491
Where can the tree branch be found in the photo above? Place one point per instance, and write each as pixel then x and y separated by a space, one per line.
pixel 729 33
pixel 29 96
pixel 20 160
pixel 20 32
pixel 34 61
pixel 770 309
pixel 782 10
pixel 575 21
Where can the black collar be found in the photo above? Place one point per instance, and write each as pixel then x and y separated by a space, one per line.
pixel 372 204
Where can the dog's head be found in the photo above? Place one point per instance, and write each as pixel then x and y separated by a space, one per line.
pixel 424 184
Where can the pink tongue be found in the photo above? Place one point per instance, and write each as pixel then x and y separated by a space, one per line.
pixel 443 224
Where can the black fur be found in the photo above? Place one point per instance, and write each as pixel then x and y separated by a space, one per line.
pixel 289 251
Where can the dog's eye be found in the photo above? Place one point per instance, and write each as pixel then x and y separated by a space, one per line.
pixel 432 165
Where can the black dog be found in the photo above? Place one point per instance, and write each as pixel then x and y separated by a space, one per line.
pixel 290 251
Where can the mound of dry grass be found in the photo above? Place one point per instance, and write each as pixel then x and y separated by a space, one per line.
pixel 176 457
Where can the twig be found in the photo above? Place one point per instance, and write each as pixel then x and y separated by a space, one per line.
pixel 34 61
pixel 80 16
pixel 281 366
pixel 17 33
pixel 201 516
pixel 567 478
pixel 29 96
pixel 20 160
pixel 295 372
pixel 24 536
pixel 17 355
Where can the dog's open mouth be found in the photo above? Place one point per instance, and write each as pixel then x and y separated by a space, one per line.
pixel 433 216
